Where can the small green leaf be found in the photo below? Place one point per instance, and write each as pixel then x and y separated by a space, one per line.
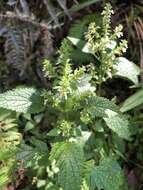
pixel 108 176
pixel 25 100
pixel 133 101
pixel 118 124
pixel 70 160
pixel 29 126
pixel 31 154
pixel 127 69
pixel 54 132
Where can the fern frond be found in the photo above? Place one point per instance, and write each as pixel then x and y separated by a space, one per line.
pixel 9 139
pixel 8 134
pixel 45 45
pixel 15 50
pixel 4 176
pixel 47 42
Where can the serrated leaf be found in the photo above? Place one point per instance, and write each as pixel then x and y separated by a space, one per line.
pixel 108 176
pixel 133 101
pixel 127 69
pixel 25 152
pixel 69 158
pixel 40 146
pixel 97 106
pixel 31 154
pixel 118 124
pixel 25 100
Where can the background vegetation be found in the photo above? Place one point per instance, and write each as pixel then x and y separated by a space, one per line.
pixel 84 130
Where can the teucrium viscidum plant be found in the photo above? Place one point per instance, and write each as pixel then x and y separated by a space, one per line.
pixel 105 45
pixel 79 148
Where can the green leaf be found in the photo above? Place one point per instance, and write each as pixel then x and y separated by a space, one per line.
pixel 40 146
pixel 118 124
pixel 31 154
pixel 25 153
pixel 96 106
pixel 133 101
pixel 125 68
pixel 29 126
pixel 108 176
pixel 25 100
pixel 106 109
pixel 54 132
pixel 70 159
